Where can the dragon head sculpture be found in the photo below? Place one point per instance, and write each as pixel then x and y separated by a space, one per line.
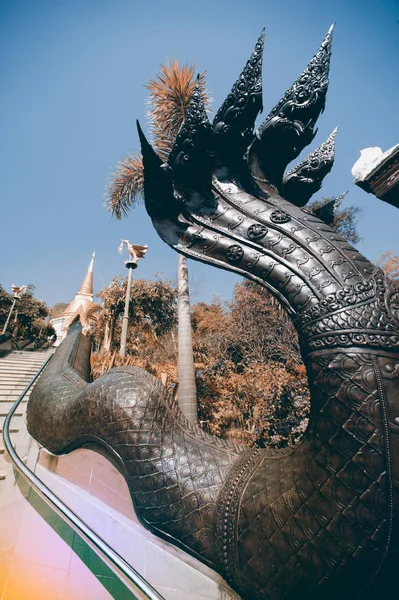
pixel 223 197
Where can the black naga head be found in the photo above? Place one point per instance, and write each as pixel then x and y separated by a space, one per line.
pixel 224 198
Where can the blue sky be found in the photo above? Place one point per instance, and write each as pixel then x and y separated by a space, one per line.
pixel 72 86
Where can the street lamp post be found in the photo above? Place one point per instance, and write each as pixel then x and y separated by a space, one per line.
pixel 135 252
pixel 130 265
pixel 18 291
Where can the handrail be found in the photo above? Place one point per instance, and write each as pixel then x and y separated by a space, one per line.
pixel 110 557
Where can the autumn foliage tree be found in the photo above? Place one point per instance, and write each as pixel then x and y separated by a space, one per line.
pixel 58 309
pixel 251 380
pixel 152 312
pixel 28 320
pixel 389 263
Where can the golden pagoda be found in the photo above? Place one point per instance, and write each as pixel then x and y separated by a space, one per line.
pixel 79 306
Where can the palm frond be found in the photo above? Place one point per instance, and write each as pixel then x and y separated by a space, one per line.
pixel 126 186
pixel 169 99
pixel 170 93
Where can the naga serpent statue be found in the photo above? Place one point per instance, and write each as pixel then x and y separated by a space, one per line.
pixel 319 520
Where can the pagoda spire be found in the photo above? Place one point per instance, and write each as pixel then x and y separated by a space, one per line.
pixel 86 289
pixel 78 307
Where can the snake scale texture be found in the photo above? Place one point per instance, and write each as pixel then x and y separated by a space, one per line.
pixel 319 520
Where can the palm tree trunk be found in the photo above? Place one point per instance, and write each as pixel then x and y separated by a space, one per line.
pixel 109 334
pixel 16 325
pixel 106 341
pixel 187 393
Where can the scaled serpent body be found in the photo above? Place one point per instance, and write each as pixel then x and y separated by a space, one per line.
pixel 316 521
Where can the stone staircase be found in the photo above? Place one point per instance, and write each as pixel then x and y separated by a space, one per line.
pixel 16 371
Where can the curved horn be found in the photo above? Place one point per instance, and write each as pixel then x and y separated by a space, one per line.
pixel 289 127
pixel 150 157
pixel 234 122
pixel 304 180
pixel 327 211
pixel 191 156
pixel 159 198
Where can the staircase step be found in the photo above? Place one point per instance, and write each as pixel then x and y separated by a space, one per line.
pixel 22 361
pixel 15 415
pixel 12 398
pixel 6 406
pixel 23 374
pixel 17 376
pixel 10 380
pixel 16 372
pixel 9 397
pixel 13 393
pixel 18 366
pixel 14 356
pixel 33 355
pixel 3 418
pixel 25 355
pixel 16 382
pixel 4 413
pixel 10 394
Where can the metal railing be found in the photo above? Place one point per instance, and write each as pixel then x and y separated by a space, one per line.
pixel 128 576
